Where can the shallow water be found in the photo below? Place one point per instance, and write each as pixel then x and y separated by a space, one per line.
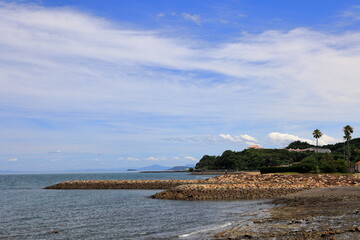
pixel 29 212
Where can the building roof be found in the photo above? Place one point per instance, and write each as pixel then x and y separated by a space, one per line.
pixel 357 163
pixel 255 146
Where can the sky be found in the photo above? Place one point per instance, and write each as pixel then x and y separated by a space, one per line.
pixel 88 84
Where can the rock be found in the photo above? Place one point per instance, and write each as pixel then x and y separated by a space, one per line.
pixel 248 236
pixel 258 221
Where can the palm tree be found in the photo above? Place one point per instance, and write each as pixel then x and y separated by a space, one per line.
pixel 348 130
pixel 317 134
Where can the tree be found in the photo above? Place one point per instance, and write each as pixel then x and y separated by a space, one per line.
pixel 310 164
pixel 317 134
pixel 348 130
pixel 330 165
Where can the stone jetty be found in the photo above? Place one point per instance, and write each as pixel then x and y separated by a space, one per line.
pixel 225 187
pixel 121 184
pixel 248 186
pixel 223 192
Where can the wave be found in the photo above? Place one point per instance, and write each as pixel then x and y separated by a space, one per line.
pixel 205 230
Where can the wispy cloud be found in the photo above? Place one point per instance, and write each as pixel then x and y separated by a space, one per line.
pixel 97 81
pixel 351 15
pixel 283 139
pixel 244 138
pixel 156 159
pixel 194 139
pixel 193 18
pixel 160 15
pixel 190 158
pixel 181 159
pixel 132 159
pixel 96 64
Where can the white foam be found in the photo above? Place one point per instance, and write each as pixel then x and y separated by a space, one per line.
pixel 205 230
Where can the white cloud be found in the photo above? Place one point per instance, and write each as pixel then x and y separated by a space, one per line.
pixel 248 138
pixel 156 159
pixel 244 138
pixel 160 15
pixel 352 14
pixel 56 152
pixel 252 143
pixel 52 58
pixel 13 160
pixel 284 139
pixel 194 18
pixel 190 158
pixel 194 139
pixel 132 159
pixel 325 139
pixel 97 63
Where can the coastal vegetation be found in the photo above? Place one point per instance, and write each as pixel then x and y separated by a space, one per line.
pixel 317 134
pixel 296 157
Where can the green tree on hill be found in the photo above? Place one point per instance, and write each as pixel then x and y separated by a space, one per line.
pixel 299 145
pixel 348 130
pixel 317 134
pixel 278 159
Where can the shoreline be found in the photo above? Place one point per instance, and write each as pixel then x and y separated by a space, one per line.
pixel 224 187
pixel 311 206
pixel 321 213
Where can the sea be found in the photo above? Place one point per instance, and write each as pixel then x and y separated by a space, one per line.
pixel 27 211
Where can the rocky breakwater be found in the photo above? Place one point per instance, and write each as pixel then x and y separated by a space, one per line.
pixel 246 186
pixel 121 184
pixel 225 192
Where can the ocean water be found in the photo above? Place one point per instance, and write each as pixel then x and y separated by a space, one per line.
pixel 27 211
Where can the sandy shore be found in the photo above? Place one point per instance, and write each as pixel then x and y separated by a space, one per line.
pixel 321 213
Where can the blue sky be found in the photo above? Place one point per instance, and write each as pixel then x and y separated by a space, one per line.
pixel 125 84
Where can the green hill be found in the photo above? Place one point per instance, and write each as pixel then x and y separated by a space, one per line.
pixel 254 159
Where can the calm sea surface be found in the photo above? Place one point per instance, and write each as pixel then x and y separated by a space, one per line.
pixel 27 211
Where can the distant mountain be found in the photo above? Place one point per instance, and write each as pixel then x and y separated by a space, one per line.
pixel 147 168
pixel 153 168
pixel 90 170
